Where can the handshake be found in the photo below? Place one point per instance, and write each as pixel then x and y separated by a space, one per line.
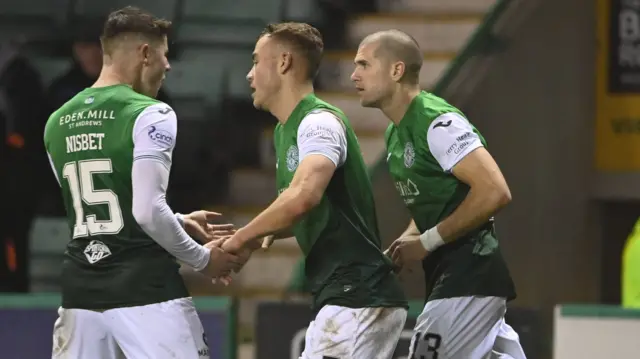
pixel 229 249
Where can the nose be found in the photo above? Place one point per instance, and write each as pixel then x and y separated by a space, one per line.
pixel 250 76
pixel 168 67
pixel 354 76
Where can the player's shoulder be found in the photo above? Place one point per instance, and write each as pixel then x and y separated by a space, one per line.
pixel 158 108
pixel 449 120
pixel 55 117
pixel 130 100
pixel 391 129
pixel 320 115
pixel 324 118
pixel 156 114
pixel 431 107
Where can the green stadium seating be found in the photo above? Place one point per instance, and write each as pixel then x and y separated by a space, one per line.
pixel 218 33
pixel 217 56
pixel 31 21
pixel 303 11
pixel 34 9
pixel 195 86
pixel 233 10
pixel 50 68
pixel 162 8
pixel 237 84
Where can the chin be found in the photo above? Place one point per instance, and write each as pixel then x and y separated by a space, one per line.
pixel 368 103
pixel 256 104
pixel 259 105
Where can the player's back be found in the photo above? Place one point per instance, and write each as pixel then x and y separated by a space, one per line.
pixel 109 262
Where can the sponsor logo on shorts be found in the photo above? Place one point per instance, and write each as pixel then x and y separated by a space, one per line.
pixel 96 251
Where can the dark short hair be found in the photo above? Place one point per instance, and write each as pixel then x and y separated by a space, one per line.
pixel 304 38
pixel 133 20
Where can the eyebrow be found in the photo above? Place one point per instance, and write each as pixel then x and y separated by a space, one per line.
pixel 360 62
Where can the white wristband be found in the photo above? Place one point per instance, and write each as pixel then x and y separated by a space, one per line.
pixel 431 239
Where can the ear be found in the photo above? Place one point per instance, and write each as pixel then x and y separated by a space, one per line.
pixel 145 53
pixel 285 62
pixel 397 70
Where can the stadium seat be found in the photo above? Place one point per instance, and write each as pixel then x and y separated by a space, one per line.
pixel 31 21
pixel 195 86
pixel 34 9
pixel 50 68
pixel 303 11
pixel 92 8
pixel 237 85
pixel 216 56
pixel 47 242
pixel 218 33
pixel 231 10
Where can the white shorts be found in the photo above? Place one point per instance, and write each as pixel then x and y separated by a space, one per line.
pixel 465 328
pixel 354 333
pixel 169 329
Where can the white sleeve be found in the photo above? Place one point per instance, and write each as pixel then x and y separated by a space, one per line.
pixel 322 133
pixel 154 135
pixel 450 138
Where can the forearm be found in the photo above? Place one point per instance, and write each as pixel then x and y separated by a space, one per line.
pixel 278 218
pixel 476 209
pixel 412 230
pixel 283 233
pixel 156 219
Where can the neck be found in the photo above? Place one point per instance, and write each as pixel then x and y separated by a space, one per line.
pixel 397 105
pixel 287 100
pixel 113 74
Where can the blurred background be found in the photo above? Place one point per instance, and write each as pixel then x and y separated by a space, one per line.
pixel 554 86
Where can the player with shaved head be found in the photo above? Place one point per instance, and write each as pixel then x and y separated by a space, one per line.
pixel 452 188
pixel 325 198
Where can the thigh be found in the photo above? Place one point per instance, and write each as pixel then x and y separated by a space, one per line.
pixel 378 332
pixel 458 328
pixel 80 333
pixel 170 329
pixel 507 343
pixel 354 333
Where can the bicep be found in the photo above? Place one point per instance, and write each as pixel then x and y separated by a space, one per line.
pixel 313 174
pixel 478 168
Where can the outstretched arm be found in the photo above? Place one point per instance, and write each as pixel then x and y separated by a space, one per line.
pixel 322 148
